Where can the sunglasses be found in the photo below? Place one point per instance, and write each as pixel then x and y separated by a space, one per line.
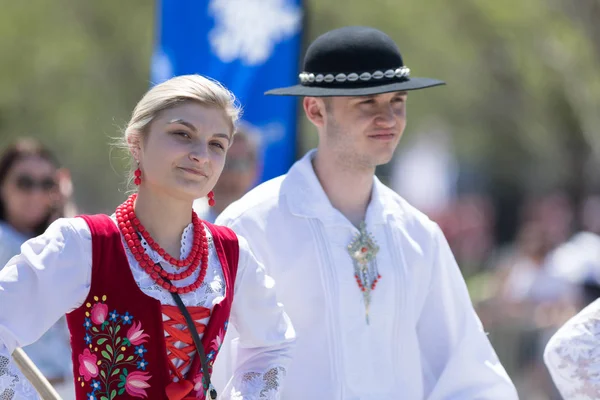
pixel 27 183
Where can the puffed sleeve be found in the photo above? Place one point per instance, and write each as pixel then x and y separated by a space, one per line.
pixel 265 335
pixel 51 277
pixel 573 355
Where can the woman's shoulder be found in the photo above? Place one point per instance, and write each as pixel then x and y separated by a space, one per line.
pixel 65 230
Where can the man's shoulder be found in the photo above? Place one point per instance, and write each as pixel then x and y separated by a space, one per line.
pixel 406 212
pixel 260 199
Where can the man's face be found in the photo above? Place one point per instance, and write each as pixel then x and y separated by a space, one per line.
pixel 364 130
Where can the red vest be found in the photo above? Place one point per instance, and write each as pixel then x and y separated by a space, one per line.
pixel 118 335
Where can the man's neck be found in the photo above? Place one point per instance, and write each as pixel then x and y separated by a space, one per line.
pixel 349 191
pixel 164 217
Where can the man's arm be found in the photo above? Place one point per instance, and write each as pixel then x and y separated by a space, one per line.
pixel 458 359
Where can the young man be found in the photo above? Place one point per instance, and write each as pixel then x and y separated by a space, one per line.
pixel 378 302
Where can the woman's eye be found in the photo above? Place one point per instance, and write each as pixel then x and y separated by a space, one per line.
pixel 183 134
pixel 219 145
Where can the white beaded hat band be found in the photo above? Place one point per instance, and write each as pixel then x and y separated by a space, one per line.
pixel 308 78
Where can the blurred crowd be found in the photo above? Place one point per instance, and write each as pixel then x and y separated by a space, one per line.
pixel 524 288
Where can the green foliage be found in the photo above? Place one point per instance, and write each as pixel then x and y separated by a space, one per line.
pixel 521 101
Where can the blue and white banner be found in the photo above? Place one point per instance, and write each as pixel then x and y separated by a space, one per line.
pixel 250 46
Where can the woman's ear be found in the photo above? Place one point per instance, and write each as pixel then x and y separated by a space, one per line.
pixel 135 146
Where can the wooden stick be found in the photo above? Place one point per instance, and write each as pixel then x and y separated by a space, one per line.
pixel 33 375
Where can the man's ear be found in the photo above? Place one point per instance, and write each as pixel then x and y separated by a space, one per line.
pixel 315 110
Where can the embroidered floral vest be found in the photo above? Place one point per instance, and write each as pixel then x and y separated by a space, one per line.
pixel 118 335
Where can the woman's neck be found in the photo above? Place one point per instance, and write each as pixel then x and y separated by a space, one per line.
pixel 164 217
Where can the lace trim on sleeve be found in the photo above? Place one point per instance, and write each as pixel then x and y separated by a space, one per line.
pixel 13 384
pixel 255 385
pixel 573 357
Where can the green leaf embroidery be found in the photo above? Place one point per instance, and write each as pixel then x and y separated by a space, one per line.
pixel 120 357
pixel 103 398
pixel 116 371
pixel 121 391
pixel 105 355
pixel 100 341
pixel 113 394
pixel 103 374
pixel 118 340
pixel 129 358
pixel 110 329
pixel 125 371
pixel 109 348
pixel 94 329
pixel 117 329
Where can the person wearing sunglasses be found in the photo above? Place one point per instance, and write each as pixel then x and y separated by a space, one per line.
pixel 28 194
pixel 30 199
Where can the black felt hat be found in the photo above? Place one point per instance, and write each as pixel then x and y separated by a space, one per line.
pixel 354 61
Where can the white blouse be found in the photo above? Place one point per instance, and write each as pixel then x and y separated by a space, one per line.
pixel 52 276
pixel 573 355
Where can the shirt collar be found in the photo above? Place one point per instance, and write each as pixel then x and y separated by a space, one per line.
pixel 306 197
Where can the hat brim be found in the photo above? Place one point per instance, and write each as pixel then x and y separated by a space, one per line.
pixel 317 91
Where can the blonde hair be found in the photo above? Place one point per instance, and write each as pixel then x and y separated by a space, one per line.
pixel 175 91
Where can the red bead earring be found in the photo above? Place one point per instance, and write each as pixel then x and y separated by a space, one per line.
pixel 211 198
pixel 138 176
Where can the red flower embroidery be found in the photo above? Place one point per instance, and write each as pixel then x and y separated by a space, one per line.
pixel 99 313
pixel 136 384
pixel 88 366
pixel 136 334
pixel 217 341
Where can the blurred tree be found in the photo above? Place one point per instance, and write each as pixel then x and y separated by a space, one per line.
pixel 521 101
pixel 72 71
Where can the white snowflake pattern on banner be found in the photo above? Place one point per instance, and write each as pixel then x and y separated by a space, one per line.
pixel 249 29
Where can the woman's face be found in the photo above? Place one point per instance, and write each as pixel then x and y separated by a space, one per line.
pixel 184 151
pixel 29 192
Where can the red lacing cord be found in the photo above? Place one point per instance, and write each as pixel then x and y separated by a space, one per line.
pixel 182 335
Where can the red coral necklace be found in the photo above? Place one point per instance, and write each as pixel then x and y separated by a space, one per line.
pixel 131 227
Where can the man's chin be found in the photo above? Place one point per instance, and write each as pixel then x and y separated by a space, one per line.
pixel 383 159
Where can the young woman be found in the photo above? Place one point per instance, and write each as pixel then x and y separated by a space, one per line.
pixel 149 291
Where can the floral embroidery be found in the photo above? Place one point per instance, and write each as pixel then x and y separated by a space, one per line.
pixel 135 383
pixel 114 361
pixel 126 318
pixel 136 335
pixel 87 365
pixel 99 313
pixel 261 386
pixel 573 357
pixel 215 346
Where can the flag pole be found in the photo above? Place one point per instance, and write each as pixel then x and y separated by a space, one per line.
pixel 34 375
